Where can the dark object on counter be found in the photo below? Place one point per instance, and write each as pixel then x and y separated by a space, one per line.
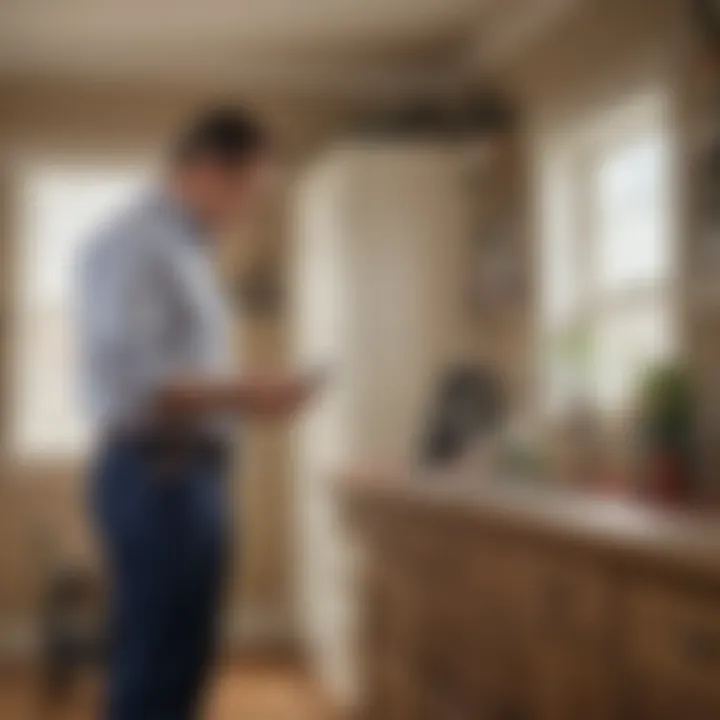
pixel 469 405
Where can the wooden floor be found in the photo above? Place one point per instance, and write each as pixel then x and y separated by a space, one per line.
pixel 241 692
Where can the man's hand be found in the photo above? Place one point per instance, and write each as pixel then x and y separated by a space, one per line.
pixel 255 395
pixel 277 396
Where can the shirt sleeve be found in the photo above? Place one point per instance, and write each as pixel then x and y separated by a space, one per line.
pixel 125 313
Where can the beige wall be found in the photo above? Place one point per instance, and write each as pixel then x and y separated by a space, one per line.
pixel 72 121
pixel 600 49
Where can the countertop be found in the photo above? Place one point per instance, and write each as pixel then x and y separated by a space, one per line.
pixel 681 540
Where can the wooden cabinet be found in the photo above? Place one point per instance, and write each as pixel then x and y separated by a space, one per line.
pixel 570 610
pixel 493 609
pixel 672 647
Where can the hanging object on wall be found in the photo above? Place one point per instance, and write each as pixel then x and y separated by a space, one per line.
pixel 707 13
pixel 260 291
pixel 498 280
pixel 704 247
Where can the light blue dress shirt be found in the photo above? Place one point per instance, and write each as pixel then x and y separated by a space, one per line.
pixel 150 309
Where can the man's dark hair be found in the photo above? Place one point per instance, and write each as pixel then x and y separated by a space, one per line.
pixel 227 135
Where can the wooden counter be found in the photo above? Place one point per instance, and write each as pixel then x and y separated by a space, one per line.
pixel 508 602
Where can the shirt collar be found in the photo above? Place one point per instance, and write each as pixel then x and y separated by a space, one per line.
pixel 190 226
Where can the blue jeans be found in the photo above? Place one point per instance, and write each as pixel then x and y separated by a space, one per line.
pixel 164 530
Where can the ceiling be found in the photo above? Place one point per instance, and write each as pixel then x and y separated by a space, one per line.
pixel 320 43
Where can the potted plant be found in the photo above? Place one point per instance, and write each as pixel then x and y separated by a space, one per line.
pixel 667 419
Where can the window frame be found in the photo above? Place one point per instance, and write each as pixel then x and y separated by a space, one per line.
pixel 649 112
pixel 21 168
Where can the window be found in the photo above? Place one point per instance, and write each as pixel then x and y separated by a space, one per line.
pixel 606 257
pixel 59 207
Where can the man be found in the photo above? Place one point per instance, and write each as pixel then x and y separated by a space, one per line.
pixel 160 381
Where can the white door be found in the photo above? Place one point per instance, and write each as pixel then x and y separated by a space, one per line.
pixel 381 250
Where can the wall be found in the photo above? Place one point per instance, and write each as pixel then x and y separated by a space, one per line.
pixel 118 121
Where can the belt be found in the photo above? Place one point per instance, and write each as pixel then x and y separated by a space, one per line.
pixel 179 442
